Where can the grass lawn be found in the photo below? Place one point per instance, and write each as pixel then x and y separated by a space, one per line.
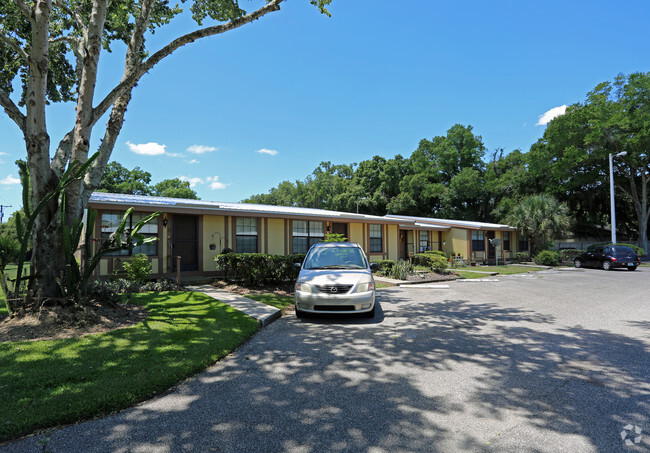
pixel 48 383
pixel 10 271
pixel 469 272
pixel 280 302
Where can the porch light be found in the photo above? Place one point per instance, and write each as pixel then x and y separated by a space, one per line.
pixel 165 222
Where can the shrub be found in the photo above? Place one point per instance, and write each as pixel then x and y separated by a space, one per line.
pixel 138 268
pixel 548 258
pixel 256 269
pixel 108 291
pixel 436 261
pixel 335 237
pixel 522 256
pixel 384 266
pixel 401 269
pixel 9 251
pixel 436 253
pixel 570 254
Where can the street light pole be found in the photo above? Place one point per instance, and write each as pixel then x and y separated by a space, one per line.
pixel 611 193
pixel 358 199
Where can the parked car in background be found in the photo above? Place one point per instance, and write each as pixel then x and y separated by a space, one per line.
pixel 335 277
pixel 608 257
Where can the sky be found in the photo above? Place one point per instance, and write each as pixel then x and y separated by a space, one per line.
pixel 238 113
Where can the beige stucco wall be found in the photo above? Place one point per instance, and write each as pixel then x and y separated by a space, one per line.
pixel 393 242
pixel 356 234
pixel 212 224
pixel 276 236
pixel 456 240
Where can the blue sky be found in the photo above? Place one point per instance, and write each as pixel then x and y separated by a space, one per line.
pixel 238 113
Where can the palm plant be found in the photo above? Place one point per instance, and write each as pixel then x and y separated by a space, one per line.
pixel 541 218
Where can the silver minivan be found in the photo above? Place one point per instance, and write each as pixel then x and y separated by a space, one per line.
pixel 335 277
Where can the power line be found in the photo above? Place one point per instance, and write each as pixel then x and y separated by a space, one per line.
pixel 1 210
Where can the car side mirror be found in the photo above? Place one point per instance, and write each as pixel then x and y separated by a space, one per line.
pixel 297 265
pixel 374 266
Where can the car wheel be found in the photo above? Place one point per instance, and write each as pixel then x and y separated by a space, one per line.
pixel 577 263
pixel 300 314
pixel 607 265
pixel 633 268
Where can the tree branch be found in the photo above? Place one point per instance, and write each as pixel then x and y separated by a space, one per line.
pixel 69 39
pixel 73 14
pixel 130 81
pixel 22 6
pixel 15 46
pixel 12 110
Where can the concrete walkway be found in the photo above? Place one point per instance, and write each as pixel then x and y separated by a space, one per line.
pixel 265 314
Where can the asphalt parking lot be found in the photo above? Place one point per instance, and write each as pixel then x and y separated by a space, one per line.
pixel 557 361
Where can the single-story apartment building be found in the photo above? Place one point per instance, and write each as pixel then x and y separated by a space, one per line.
pixel 197 231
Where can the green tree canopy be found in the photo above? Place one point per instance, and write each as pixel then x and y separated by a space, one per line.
pixel 119 179
pixel 542 219
pixel 571 160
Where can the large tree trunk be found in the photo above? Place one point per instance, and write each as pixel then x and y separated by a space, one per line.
pixel 47 257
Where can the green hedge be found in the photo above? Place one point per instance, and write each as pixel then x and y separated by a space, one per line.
pixel 436 261
pixel 548 258
pixel 257 269
pixel 570 254
pixel 385 266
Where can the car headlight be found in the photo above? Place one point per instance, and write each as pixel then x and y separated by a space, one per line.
pixel 365 287
pixel 304 287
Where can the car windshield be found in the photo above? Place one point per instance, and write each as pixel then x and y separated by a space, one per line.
pixel 335 258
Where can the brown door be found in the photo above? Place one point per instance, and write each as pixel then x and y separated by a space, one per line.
pixel 403 248
pixel 186 241
pixel 340 228
pixel 491 249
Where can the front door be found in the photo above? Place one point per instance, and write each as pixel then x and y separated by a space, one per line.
pixel 491 248
pixel 186 242
pixel 403 245
pixel 340 228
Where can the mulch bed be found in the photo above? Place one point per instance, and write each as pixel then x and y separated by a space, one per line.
pixel 55 322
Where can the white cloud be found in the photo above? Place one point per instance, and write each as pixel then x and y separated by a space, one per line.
pixel 553 113
pixel 3 154
pixel 193 181
pixel 213 181
pixel 9 181
pixel 193 161
pixel 270 152
pixel 215 184
pixel 201 149
pixel 148 149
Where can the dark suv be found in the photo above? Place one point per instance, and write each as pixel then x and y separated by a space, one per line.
pixel 608 257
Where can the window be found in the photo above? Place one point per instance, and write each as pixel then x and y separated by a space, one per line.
pixel 506 240
pixel 111 220
pixel 306 234
pixel 246 231
pixel 376 238
pixel 523 243
pixel 424 241
pixel 478 241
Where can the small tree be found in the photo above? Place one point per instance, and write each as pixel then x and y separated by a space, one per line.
pixel 541 218
pixel 138 268
pixel 335 237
